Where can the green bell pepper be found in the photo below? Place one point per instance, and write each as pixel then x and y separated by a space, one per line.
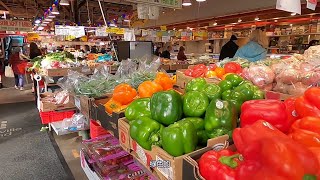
pixel 225 85
pixel 179 138
pixel 226 94
pixel 146 132
pixel 199 125
pixel 213 91
pixel 166 107
pixel 220 118
pixel 257 93
pixel 234 79
pixel 246 89
pixel 195 104
pixel 197 84
pixel 138 108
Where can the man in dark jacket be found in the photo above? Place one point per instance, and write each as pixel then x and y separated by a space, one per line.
pixel 229 49
pixel 166 54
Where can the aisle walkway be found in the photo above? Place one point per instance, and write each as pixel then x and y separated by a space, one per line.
pixel 26 153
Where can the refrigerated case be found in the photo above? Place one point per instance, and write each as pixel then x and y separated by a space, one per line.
pixel 134 49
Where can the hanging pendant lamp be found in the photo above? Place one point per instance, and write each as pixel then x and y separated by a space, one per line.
pixel 55 10
pixel 186 3
pixel 200 0
pixel 64 3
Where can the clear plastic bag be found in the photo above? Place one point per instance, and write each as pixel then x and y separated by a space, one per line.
pixel 62 97
pixel 76 123
pixel 260 75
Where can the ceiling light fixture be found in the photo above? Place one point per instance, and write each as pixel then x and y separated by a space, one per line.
pixel 293 14
pixel 275 20
pixel 55 10
pixel 239 20
pixel 257 18
pixel 215 23
pixel 186 3
pixel 38 21
pixel 64 3
pixel 200 0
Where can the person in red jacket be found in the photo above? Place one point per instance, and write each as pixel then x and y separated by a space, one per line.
pixel 18 67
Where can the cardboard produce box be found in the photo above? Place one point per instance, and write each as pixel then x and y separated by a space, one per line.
pixel 182 79
pixel 277 95
pixel 108 121
pixel 172 167
pixel 46 105
pixel 60 71
pixel 190 166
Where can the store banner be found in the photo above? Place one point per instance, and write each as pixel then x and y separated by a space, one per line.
pixel 101 32
pixel 312 4
pixel 77 31
pixel 293 6
pixel 175 4
pixel 9 25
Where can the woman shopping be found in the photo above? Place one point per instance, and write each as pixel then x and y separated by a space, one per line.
pixel 181 56
pixel 256 48
pixel 18 67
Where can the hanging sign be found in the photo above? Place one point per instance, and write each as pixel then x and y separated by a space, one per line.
pixel 101 32
pixel 312 4
pixel 33 37
pixel 77 31
pixel 175 4
pixel 8 25
pixel 61 30
pixel 293 6
pixel 120 31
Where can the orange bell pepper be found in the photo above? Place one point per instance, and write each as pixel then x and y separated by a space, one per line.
pixel 113 106
pixel 124 94
pixel 164 80
pixel 306 131
pixel 148 88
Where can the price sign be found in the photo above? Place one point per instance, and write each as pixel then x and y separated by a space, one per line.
pixel 77 31
pixel 312 4
pixel 293 6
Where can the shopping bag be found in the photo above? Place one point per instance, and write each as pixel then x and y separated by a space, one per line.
pixel 8 72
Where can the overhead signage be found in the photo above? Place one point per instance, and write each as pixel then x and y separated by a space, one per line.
pixel 312 4
pixel 8 25
pixel 33 37
pixel 175 4
pixel 293 6
pixel 74 31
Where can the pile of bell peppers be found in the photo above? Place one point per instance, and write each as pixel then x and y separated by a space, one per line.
pixel 263 152
pixel 124 94
pixel 236 90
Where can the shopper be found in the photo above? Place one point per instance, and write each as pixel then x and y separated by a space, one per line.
pixel 313 43
pixel 229 49
pixel 166 54
pixel 34 50
pixel 181 56
pixel 255 49
pixel 158 51
pixel 18 67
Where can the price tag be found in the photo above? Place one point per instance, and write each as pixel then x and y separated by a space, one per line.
pixel 219 104
pixel 141 154
pixel 77 103
pixel 165 169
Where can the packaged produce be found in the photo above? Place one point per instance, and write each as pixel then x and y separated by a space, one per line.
pixel 258 141
pixel 76 123
pixel 166 107
pixel 259 75
pixel 101 141
pixel 220 165
pixel 220 118
pixel 108 153
pixel 138 108
pixel 179 138
pixel 272 111
pixel 146 132
pixel 195 104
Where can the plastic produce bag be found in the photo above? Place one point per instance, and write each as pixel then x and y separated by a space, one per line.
pixel 260 75
pixel 8 72
pixel 76 123
pixel 62 97
pixel 289 76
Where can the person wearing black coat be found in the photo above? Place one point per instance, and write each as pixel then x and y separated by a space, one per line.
pixel 229 49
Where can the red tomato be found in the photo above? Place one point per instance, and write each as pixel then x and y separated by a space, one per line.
pixel 232 67
pixel 200 66
pixel 188 72
pixel 212 67
pixel 199 73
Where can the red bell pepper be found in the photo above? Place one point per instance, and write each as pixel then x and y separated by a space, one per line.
pixel 272 111
pixel 232 67
pixel 218 165
pixel 272 155
pixel 306 131
pixel 188 72
pixel 309 103
pixel 290 109
pixel 199 70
